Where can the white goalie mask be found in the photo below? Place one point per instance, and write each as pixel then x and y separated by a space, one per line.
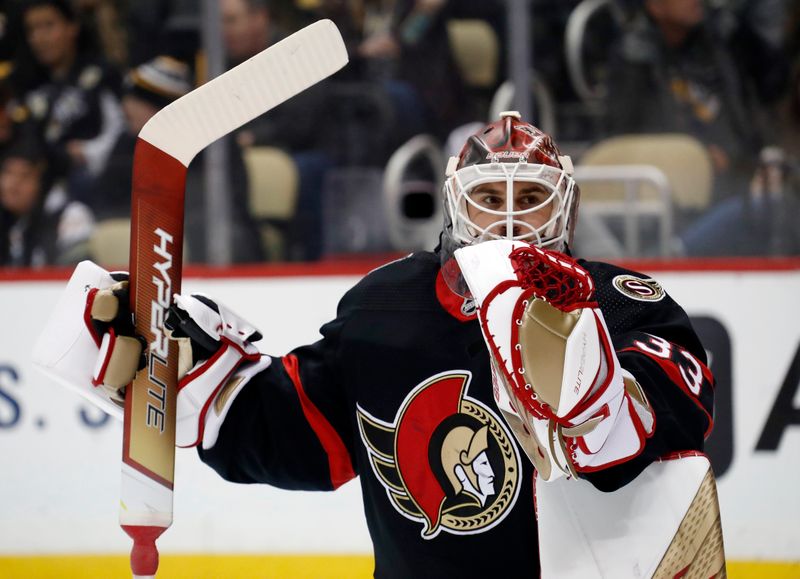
pixel 508 182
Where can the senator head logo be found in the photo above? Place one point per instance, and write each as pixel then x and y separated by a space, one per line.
pixel 446 461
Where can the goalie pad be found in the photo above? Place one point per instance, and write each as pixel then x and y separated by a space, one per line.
pixel 663 524
pixel 557 379
pixel 213 343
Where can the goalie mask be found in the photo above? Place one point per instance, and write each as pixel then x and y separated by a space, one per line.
pixel 508 182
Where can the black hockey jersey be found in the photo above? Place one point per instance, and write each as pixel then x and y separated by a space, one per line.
pixel 399 391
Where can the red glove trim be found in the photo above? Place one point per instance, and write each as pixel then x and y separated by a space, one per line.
pixel 87 316
pixel 101 375
pixel 641 434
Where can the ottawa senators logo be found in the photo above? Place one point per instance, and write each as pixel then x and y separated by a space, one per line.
pixel 637 288
pixel 446 461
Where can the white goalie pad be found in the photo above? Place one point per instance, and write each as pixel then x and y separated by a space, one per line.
pixel 665 523
pixel 65 350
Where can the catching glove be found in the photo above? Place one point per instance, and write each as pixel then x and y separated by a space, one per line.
pixel 557 379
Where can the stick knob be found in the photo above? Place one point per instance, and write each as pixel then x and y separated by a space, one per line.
pixel 144 554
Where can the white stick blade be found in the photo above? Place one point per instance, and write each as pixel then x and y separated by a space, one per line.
pixel 187 126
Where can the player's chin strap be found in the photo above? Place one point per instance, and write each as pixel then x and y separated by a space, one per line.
pixel 557 379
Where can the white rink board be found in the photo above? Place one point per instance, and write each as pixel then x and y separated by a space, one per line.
pixel 58 492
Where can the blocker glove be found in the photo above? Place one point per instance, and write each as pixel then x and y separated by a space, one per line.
pixel 216 356
pixel 557 379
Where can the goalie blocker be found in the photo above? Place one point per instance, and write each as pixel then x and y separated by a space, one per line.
pixel 216 356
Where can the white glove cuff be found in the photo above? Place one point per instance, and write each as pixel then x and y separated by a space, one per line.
pixel 198 389
pixel 626 421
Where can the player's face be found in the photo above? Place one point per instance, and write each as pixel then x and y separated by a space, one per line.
pixel 493 197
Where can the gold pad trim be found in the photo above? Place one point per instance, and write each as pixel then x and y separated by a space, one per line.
pixel 697 550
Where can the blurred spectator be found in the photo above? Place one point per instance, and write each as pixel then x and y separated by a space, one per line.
pixel 103 17
pixel 145 20
pixel 73 102
pixel 161 27
pixel 403 48
pixel 147 89
pixel 300 126
pixel 756 37
pixel 577 121
pixel 763 222
pixel 406 46
pixel 672 72
pixel 7 124
pixel 39 224
pixel 246 28
pixel 788 115
pixel 296 125
pixel 764 219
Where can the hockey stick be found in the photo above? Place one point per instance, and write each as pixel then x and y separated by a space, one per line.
pixel 164 149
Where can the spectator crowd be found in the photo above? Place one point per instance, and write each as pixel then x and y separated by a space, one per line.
pixel 79 78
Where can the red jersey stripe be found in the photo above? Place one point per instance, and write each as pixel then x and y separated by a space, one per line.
pixel 341 468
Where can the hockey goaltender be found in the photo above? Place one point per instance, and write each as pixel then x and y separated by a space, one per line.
pixel 511 411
